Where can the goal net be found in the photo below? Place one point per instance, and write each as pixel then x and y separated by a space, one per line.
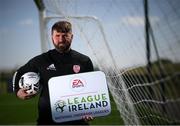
pixel 143 77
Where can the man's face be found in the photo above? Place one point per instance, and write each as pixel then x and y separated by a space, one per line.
pixel 62 41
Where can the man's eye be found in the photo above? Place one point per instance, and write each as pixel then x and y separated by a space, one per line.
pixel 66 36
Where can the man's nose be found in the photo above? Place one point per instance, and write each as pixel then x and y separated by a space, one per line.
pixel 61 38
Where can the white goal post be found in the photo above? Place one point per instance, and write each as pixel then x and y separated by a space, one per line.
pixel 112 33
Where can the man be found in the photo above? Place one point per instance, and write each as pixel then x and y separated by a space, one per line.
pixel 57 62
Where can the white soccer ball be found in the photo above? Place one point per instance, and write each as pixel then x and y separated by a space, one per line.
pixel 30 82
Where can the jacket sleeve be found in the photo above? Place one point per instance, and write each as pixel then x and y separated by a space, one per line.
pixel 89 66
pixel 29 67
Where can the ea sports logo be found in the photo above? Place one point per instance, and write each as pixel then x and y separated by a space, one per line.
pixel 77 84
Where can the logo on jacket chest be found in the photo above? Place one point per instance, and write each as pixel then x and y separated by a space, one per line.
pixel 76 68
pixel 51 67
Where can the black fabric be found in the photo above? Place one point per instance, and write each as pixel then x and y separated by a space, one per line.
pixel 51 64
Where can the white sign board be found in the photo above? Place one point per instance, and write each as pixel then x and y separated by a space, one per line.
pixel 76 95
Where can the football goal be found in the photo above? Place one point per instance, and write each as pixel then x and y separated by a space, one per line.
pixel 136 43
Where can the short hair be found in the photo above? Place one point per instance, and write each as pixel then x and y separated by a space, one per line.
pixel 62 26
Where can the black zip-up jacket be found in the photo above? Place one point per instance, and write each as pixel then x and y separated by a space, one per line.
pixel 51 64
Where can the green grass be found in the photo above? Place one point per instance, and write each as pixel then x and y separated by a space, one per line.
pixel 155 117
pixel 112 119
pixel 14 111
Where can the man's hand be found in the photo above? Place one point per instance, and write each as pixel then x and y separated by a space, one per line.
pixel 87 118
pixel 22 94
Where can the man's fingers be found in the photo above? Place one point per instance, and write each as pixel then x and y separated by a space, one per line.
pixel 87 118
pixel 22 94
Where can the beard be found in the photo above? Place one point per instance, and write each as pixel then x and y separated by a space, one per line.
pixel 63 47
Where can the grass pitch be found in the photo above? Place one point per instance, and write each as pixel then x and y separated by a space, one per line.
pixel 14 111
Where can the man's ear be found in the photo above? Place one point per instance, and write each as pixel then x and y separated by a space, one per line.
pixel 52 38
pixel 72 36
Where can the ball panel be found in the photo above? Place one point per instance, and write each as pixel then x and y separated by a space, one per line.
pixel 30 82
